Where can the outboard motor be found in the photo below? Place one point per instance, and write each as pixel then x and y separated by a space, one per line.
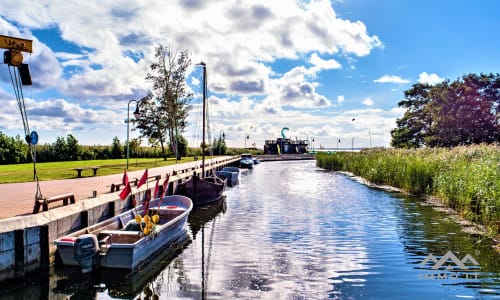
pixel 86 248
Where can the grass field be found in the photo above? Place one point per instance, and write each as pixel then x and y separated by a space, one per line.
pixel 64 170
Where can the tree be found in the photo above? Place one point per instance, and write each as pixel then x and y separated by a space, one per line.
pixel 465 111
pixel 116 148
pixel 72 147
pixel 219 146
pixel 165 109
pixel 414 125
pixel 182 146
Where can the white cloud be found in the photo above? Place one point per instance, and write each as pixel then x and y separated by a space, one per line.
pixel 391 79
pixel 368 101
pixel 324 64
pixel 431 79
pixel 111 46
pixel 340 99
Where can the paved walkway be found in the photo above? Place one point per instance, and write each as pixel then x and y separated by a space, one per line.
pixel 19 198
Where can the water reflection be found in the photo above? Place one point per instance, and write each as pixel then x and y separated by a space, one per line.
pixel 289 230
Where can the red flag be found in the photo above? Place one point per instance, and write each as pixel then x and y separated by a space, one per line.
pixel 165 186
pixel 144 178
pixel 125 178
pixel 127 190
pixel 147 198
pixel 155 194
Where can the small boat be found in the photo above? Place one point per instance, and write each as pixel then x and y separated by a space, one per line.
pixel 203 189
pixel 229 173
pixel 129 239
pixel 246 161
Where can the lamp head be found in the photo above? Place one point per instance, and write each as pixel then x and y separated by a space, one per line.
pixel 137 113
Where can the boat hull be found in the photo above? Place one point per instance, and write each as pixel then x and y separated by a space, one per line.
pixel 232 177
pixel 122 249
pixel 204 191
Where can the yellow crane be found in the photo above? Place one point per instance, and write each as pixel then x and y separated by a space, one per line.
pixel 13 58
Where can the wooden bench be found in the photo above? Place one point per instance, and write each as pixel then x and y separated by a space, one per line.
pixel 79 170
pixel 44 203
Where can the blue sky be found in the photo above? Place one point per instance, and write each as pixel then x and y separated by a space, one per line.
pixel 325 69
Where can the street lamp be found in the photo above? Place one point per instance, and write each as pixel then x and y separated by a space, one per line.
pixel 137 114
pixel 222 137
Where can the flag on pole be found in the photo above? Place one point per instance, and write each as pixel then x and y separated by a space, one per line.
pixel 147 198
pixel 127 190
pixel 155 194
pixel 125 178
pixel 144 178
pixel 165 186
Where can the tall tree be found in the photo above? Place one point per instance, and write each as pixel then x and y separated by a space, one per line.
pixel 413 126
pixel 116 148
pixel 165 109
pixel 465 111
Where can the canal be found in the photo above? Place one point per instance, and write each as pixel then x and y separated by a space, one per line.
pixel 290 230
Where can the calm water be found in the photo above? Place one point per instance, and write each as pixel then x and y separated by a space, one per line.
pixel 292 231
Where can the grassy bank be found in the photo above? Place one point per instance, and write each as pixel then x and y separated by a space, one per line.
pixel 64 170
pixel 464 178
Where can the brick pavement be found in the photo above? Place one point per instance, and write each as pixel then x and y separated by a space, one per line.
pixel 19 198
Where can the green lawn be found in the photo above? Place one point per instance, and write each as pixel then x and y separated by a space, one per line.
pixel 64 170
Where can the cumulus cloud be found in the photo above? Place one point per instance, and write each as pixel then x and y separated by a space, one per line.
pixel 431 79
pixel 391 79
pixel 368 101
pixel 111 46
pixel 340 99
pixel 324 64
pixel 296 89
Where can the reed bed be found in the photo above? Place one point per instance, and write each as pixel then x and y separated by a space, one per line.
pixel 466 178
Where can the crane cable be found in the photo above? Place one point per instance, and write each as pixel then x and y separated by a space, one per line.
pixel 15 78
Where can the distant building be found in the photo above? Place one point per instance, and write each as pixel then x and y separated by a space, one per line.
pixel 285 146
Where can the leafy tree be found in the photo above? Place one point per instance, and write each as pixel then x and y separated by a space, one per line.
pixel 72 147
pixel 59 149
pixel 165 109
pixel 465 111
pixel 219 146
pixel 182 145
pixel 116 148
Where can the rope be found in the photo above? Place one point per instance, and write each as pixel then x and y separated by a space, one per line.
pixel 15 78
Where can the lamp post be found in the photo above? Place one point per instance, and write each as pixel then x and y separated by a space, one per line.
pixel 222 137
pixel 137 114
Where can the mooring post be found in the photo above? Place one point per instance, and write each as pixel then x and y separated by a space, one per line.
pixel 19 253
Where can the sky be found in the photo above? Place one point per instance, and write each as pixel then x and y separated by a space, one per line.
pixel 329 71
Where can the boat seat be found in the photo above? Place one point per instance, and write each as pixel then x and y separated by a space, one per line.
pixel 169 212
pixel 118 236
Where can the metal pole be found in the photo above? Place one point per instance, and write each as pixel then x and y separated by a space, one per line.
pixel 204 107
pixel 128 126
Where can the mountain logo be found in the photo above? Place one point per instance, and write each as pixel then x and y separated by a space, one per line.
pixel 450 261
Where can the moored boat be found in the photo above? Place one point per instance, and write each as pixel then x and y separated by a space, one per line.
pixel 246 161
pixel 203 189
pixel 128 239
pixel 229 173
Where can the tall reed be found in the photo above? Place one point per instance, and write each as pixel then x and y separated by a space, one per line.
pixel 465 178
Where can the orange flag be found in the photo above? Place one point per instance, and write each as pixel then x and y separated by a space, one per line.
pixel 144 178
pixel 127 190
